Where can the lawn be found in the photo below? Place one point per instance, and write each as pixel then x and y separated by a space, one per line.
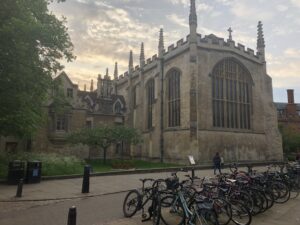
pixel 53 164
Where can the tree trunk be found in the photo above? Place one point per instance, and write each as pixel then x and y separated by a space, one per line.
pixel 104 155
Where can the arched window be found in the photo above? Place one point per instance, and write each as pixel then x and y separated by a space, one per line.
pixel 150 102
pixel 174 98
pixel 231 94
pixel 118 108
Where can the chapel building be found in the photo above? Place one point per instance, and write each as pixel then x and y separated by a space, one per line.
pixel 201 96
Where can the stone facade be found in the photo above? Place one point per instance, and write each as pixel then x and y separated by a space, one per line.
pixel 83 109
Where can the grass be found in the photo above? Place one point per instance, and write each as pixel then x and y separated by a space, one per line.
pixel 54 164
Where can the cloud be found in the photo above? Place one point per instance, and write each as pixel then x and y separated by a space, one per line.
pixel 204 7
pixel 282 8
pixel 246 11
pixel 185 3
pixel 293 53
pixel 285 74
pixel 174 18
pixel 295 3
pixel 226 2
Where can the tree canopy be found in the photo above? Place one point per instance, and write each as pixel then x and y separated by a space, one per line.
pixel 290 138
pixel 104 136
pixel 32 41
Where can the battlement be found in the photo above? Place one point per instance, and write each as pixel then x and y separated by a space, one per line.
pixel 154 57
pixel 171 48
pixel 174 48
pixel 208 41
pixel 212 41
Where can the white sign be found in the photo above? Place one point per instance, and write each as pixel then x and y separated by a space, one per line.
pixel 192 160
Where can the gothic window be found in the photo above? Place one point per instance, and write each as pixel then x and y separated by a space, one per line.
pixel 173 98
pixel 70 92
pixel 150 102
pixel 118 108
pixel 232 95
pixel 61 123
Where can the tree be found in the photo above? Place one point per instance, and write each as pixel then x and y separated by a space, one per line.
pixel 32 41
pixel 290 138
pixel 104 136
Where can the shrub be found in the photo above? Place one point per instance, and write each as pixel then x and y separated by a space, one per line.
pixel 122 164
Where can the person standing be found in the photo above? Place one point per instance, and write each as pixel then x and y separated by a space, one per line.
pixel 217 163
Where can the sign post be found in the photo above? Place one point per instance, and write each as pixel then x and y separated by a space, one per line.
pixel 193 163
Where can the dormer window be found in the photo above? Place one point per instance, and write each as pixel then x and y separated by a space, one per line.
pixel 70 93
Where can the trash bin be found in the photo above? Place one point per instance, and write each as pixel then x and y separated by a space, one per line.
pixel 33 173
pixel 16 170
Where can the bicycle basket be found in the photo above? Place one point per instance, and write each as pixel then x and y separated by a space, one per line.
pixel 172 183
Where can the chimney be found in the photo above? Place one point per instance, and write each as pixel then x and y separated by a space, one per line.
pixel 290 93
pixel 291 107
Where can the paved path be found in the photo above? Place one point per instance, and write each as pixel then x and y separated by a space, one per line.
pixel 71 188
pixel 14 212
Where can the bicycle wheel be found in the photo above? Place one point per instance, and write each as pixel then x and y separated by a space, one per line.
pixel 270 196
pixel 283 192
pixel 240 213
pixel 156 210
pixel 206 217
pixel 131 203
pixel 172 212
pixel 244 197
pixel 295 188
pixel 258 202
pixel 223 211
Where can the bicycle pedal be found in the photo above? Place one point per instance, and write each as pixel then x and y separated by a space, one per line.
pixel 144 215
pixel 146 219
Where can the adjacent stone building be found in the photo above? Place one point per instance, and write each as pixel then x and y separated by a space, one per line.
pixel 81 109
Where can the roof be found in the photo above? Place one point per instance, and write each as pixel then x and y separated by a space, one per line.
pixel 283 105
pixel 100 105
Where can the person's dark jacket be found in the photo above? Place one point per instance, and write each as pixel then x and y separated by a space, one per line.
pixel 217 160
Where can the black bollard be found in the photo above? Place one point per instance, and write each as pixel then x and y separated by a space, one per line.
pixel 86 179
pixel 19 189
pixel 193 172
pixel 72 216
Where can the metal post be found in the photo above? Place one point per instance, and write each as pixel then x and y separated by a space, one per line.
pixel 19 189
pixel 193 172
pixel 72 216
pixel 86 179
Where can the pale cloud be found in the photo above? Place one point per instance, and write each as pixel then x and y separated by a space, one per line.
pixel 204 7
pixel 185 3
pixel 226 2
pixel 293 53
pixel 295 2
pixel 244 10
pixel 282 8
pixel 178 20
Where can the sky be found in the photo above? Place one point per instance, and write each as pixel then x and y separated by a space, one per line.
pixel 104 31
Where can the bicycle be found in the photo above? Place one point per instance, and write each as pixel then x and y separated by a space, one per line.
pixel 180 208
pixel 137 199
